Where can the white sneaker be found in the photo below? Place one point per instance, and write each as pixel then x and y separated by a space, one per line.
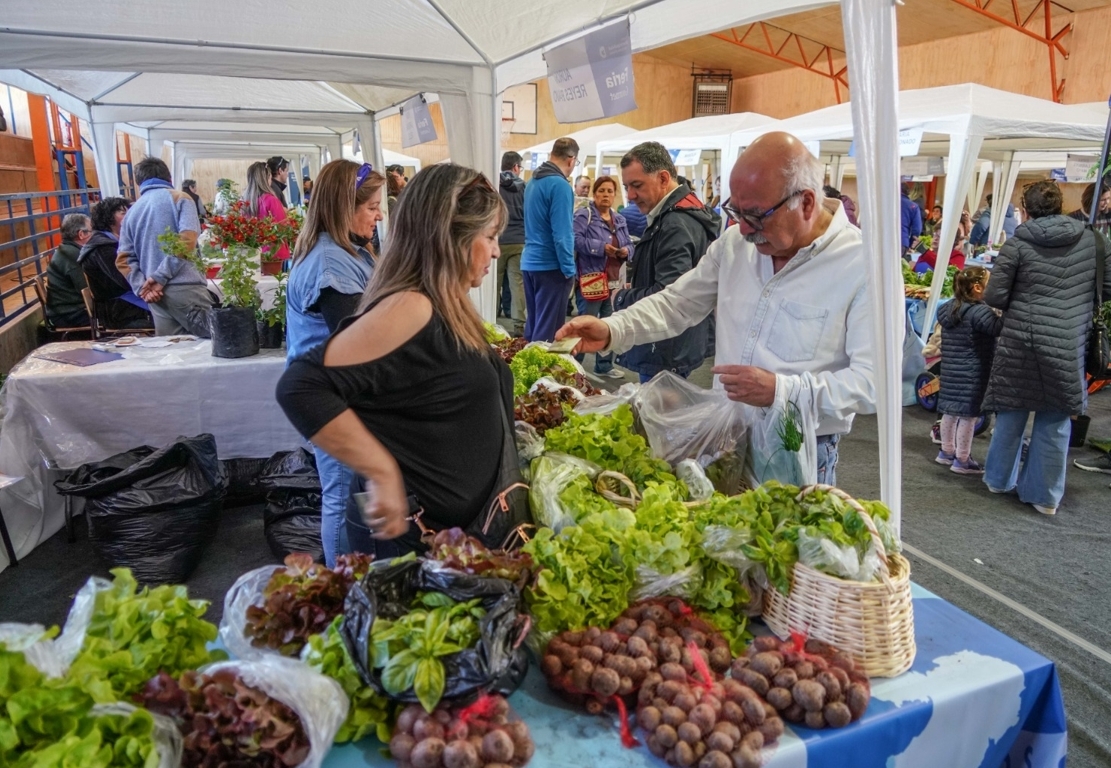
pixel 1045 510
pixel 612 373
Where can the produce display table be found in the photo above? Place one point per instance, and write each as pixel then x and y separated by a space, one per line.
pixel 973 699
pixel 60 416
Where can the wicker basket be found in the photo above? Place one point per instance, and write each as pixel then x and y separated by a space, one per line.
pixel 872 622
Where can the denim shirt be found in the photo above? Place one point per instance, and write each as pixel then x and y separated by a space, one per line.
pixel 327 265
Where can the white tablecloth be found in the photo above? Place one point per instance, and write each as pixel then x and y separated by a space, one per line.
pixel 63 416
pixel 267 285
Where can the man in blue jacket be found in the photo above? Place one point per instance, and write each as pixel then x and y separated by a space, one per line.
pixel 982 228
pixel 548 261
pixel 912 218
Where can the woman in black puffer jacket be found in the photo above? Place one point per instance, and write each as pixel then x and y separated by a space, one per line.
pixel 1044 281
pixel 968 331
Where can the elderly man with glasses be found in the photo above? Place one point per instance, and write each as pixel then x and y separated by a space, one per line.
pixel 65 308
pixel 789 285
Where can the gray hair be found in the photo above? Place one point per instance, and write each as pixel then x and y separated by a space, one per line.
pixel 801 173
pixel 652 156
pixel 72 225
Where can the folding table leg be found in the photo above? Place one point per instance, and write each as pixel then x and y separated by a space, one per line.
pixel 71 536
pixel 12 559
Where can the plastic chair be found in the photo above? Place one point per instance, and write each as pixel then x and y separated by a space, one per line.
pixel 39 282
pixel 5 481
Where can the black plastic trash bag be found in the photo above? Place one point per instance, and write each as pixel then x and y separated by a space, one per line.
pixel 291 519
pixel 153 510
pixel 497 663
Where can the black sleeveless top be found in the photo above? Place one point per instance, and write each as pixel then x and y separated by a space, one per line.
pixel 432 404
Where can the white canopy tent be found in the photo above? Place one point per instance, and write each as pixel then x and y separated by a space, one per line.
pixel 202 62
pixel 587 139
pixel 712 132
pixel 965 124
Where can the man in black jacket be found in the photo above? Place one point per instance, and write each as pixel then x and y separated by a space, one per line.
pixel 679 230
pixel 512 240
pixel 279 177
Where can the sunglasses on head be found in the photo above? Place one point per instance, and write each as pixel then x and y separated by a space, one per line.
pixel 364 173
pixel 478 181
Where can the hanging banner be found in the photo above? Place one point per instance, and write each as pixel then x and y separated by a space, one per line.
pixel 592 77
pixel 910 139
pixel 416 122
pixel 686 157
pixel 921 166
pixel 1058 175
pixel 1078 166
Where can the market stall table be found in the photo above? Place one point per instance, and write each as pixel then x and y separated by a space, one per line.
pixel 58 416
pixel 973 699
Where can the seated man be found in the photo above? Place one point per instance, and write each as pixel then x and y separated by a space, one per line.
pixel 65 307
pixel 173 288
pixel 117 304
pixel 789 284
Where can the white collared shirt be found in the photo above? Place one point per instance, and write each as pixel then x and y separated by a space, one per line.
pixel 810 324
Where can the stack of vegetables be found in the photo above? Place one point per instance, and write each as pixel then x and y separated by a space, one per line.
pixel 300 614
pixel 531 362
pixel 917 284
pixel 706 553
pixel 132 635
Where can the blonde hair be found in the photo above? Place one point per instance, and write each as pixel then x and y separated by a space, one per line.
pixel 258 184
pixel 332 205
pixel 439 215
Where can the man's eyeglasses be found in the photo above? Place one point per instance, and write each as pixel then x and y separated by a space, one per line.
pixel 364 173
pixel 756 220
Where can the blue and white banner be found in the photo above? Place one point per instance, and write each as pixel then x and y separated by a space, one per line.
pixel 416 123
pixel 592 77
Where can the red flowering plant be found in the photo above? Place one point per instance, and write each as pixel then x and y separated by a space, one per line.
pixel 239 228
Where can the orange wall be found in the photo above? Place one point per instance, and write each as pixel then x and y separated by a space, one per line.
pixel 999 58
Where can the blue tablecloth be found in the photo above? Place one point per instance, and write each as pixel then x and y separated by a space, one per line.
pixel 973 699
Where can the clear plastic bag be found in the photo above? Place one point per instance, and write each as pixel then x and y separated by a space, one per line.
pixel 550 384
pixel 650 583
pixel 699 486
pixel 39 649
pixel 607 402
pixel 835 559
pixel 318 700
pixel 722 543
pixel 530 445
pixel 551 474
pixel 166 736
pixel 69 643
pixel 782 440
pixel 245 592
pixel 684 421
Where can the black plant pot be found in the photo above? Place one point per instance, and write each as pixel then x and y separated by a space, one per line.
pixel 234 332
pixel 270 336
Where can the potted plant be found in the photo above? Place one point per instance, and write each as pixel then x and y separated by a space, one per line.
pixel 271 322
pixel 232 324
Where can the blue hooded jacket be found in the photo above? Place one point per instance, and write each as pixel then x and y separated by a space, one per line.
pixel 549 236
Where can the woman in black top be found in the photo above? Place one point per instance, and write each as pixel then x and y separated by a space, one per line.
pixel 407 392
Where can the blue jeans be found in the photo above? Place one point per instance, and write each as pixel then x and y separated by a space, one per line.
pixel 827 459
pixel 1041 479
pixel 335 483
pixel 546 294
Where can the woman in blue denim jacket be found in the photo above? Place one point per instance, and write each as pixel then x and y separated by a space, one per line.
pixel 602 244
pixel 332 264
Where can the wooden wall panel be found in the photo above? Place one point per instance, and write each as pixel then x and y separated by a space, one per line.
pixel 998 58
pixel 207 171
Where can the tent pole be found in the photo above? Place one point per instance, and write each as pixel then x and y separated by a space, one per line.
pixel 873 64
